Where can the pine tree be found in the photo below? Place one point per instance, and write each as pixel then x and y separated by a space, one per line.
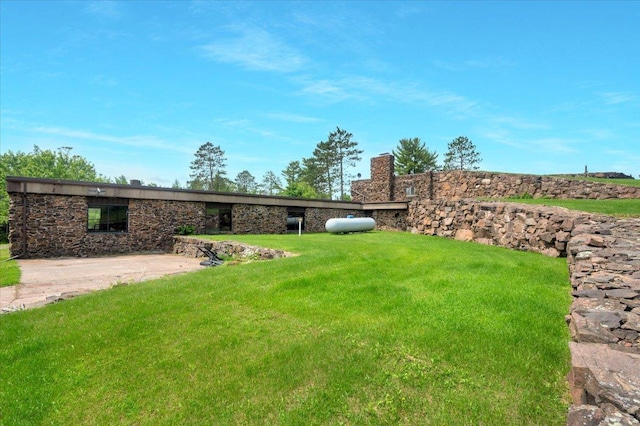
pixel 462 155
pixel 413 157
pixel 208 169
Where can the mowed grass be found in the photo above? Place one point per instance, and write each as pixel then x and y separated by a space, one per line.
pixel 372 328
pixel 9 270
pixel 615 207
pixel 627 182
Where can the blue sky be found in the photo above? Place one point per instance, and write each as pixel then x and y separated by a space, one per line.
pixel 137 87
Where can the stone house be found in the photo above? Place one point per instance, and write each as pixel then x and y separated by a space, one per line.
pixel 53 218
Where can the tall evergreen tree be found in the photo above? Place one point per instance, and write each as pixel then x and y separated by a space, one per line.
pixel 313 174
pixel 461 155
pixel 413 157
pixel 292 173
pixel 346 155
pixel 324 161
pixel 209 169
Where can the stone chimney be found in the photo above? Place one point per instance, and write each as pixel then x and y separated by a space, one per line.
pixel 382 177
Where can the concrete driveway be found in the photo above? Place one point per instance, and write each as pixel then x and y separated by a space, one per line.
pixel 49 280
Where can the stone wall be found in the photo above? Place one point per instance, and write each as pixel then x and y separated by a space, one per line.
pixel 253 219
pixel 188 246
pixel 468 184
pixel 315 218
pixel 52 226
pixel 517 226
pixel 390 220
pixel 57 226
pixel 604 263
pixel 381 185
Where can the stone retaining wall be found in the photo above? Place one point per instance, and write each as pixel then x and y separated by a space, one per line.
pixel 517 226
pixel 188 246
pixel 604 262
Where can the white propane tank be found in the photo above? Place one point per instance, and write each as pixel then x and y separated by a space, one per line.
pixel 350 224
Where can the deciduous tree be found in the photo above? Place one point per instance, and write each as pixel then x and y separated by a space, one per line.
pixel 58 164
pixel 271 184
pixel 246 183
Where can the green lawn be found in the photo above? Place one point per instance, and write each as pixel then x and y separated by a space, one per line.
pixel 9 270
pixel 628 182
pixel 615 207
pixel 373 328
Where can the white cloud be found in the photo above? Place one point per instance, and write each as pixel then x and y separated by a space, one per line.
pixel 556 145
pixel 614 98
pixel 255 49
pixel 105 8
pixel 102 80
pixel 473 64
pixel 134 141
pixel 294 118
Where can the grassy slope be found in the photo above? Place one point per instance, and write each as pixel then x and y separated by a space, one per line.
pixel 628 182
pixel 615 207
pixel 359 329
pixel 9 270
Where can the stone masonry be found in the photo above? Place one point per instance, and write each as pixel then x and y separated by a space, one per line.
pixel 604 263
pixel 467 184
pixel 539 229
pixel 57 226
pixel 188 246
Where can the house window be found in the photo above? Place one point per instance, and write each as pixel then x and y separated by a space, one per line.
pixel 410 191
pixel 218 218
pixel 107 214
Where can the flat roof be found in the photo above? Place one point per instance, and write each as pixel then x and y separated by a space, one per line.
pixel 29 185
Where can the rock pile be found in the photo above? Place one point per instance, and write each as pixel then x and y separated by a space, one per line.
pixel 188 246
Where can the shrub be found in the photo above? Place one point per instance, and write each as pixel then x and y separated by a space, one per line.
pixel 185 230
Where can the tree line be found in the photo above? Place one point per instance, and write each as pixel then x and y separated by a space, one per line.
pixel 324 174
pixel 411 156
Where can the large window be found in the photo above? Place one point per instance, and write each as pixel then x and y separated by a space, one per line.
pixel 218 218
pixel 108 214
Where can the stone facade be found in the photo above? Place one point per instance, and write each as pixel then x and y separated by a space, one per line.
pixel 252 219
pixel 390 220
pixel 315 218
pixel 381 185
pixel 384 186
pixel 56 226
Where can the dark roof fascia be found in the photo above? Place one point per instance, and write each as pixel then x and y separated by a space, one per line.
pixel 20 184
